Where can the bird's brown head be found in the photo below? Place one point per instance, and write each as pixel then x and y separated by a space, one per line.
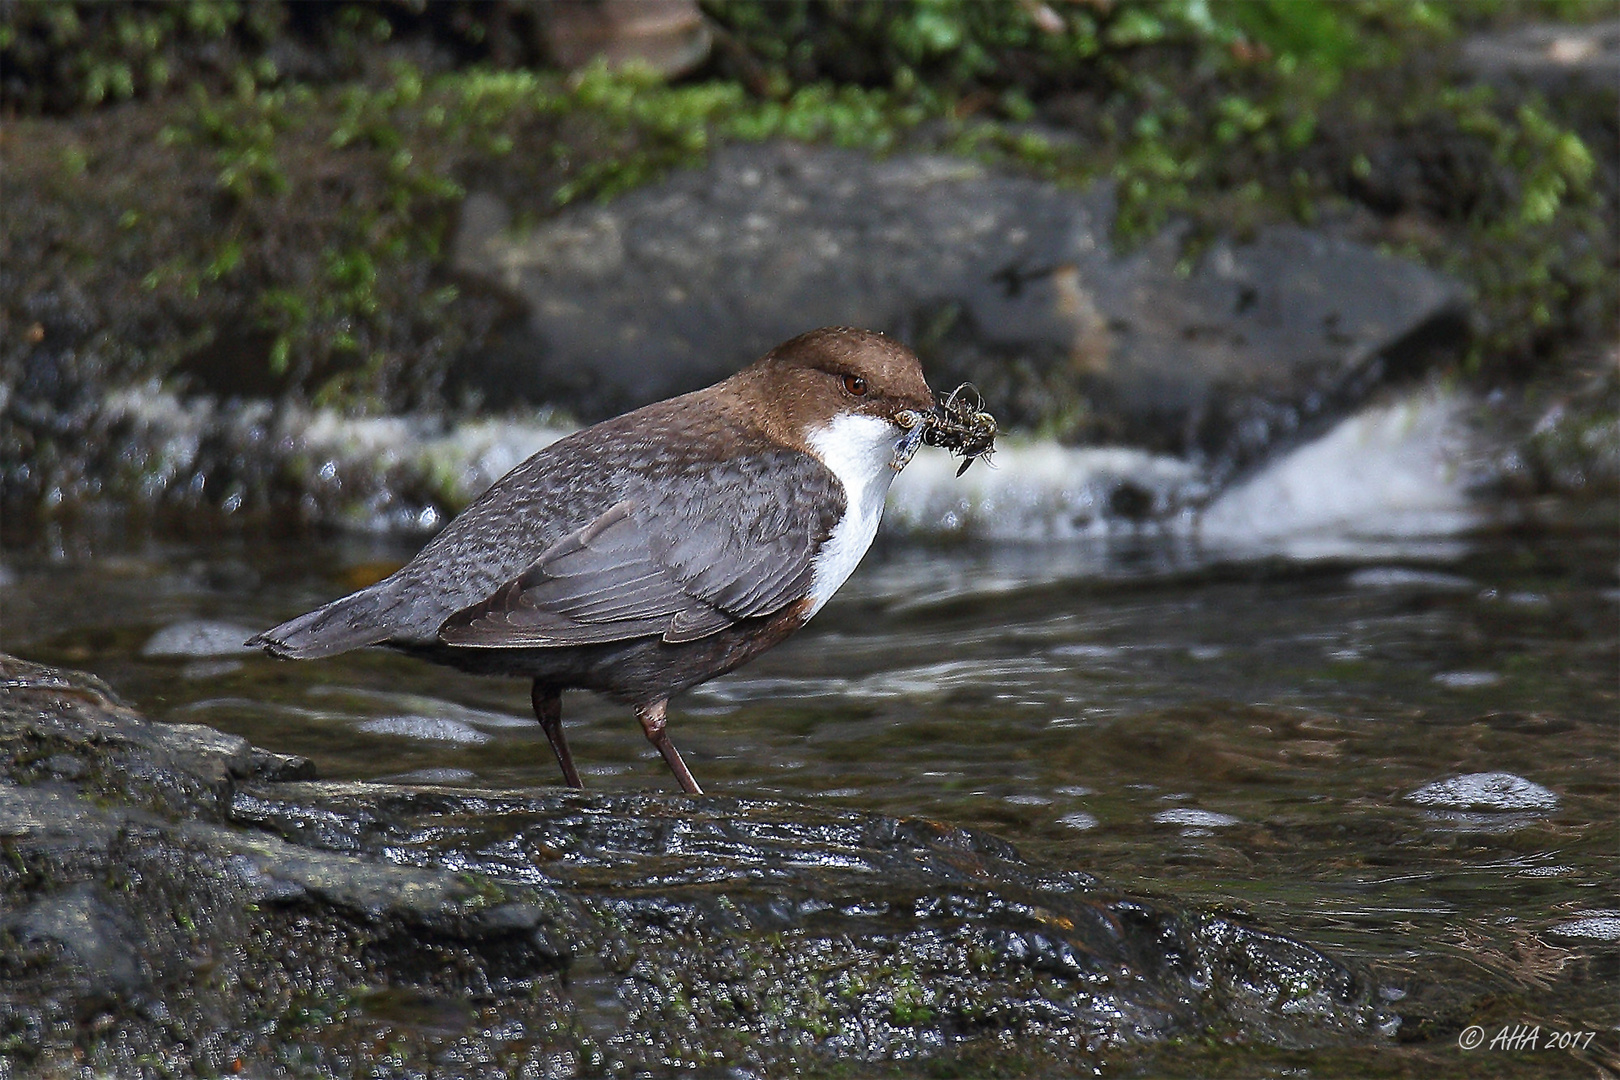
pixel 804 384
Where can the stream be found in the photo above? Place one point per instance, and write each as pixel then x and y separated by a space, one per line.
pixel 1407 758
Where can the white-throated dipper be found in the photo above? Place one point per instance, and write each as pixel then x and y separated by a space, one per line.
pixel 656 550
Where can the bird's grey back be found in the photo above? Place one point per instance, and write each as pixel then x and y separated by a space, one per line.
pixel 562 488
pixel 534 506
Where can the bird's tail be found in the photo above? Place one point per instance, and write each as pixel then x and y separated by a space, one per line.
pixel 347 623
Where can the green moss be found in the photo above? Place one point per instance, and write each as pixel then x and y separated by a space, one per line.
pixel 910 1005
pixel 483 893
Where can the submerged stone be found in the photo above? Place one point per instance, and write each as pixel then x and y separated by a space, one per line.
pixel 204 886
pixel 198 638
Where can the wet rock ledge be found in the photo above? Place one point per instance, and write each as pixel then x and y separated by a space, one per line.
pixel 174 901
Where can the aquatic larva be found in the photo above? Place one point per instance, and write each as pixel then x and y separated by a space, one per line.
pixel 959 424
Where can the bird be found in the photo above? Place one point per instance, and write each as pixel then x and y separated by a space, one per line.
pixel 659 549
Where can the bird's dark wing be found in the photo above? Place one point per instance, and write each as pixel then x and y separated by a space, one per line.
pixel 680 559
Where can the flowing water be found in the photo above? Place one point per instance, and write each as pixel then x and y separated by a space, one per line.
pixel 1406 752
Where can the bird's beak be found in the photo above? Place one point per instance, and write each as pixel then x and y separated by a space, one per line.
pixel 915 425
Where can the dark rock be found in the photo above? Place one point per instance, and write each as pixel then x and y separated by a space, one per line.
pixel 451 931
pixel 1006 281
pixel 271 766
pixel 1552 56
pixel 168 768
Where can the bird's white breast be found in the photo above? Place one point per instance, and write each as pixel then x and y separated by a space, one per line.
pixel 858 450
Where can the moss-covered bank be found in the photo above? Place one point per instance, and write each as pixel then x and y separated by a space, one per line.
pixel 256 199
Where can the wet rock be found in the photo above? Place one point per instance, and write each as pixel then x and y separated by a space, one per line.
pixel 1569 445
pixel 454 931
pixel 1007 281
pixel 87 933
pixel 1554 57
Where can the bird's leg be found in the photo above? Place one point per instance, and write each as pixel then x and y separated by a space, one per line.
pixel 652 722
pixel 548 710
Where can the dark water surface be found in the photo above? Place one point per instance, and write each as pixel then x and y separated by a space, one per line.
pixel 1256 736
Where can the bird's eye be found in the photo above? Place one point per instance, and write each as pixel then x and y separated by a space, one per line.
pixel 855 385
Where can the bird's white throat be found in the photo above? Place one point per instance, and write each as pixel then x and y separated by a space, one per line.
pixel 858 449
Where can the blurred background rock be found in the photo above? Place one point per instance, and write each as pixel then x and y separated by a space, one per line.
pixel 224 221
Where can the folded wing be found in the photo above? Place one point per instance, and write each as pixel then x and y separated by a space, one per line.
pixel 680 561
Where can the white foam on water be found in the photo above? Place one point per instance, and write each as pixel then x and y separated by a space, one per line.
pixel 1203 819
pixel 1389 482
pixel 1393 477
pixel 1035 490
pixel 1485 791
pixel 1078 819
pixel 1401 577
pixel 1392 481
pixel 1468 680
pixel 432 776
pixel 426 728
pixel 1599 925
pixel 458 461
pixel 404 704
